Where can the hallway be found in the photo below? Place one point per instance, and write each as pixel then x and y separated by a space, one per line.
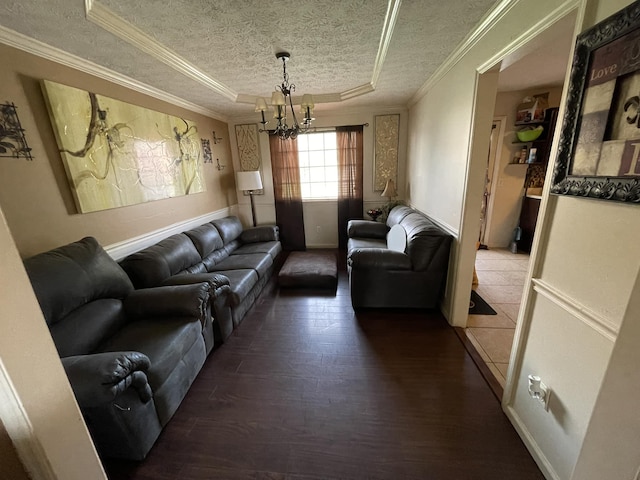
pixel 501 276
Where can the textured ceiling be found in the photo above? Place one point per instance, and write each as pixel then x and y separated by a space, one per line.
pixel 228 46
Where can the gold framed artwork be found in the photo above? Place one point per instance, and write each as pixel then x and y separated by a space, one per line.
pixel 118 154
pixel 386 131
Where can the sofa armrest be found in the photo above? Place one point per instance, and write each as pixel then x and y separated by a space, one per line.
pixel 378 258
pixel 169 301
pixel 100 378
pixel 219 283
pixel 263 233
pixel 366 229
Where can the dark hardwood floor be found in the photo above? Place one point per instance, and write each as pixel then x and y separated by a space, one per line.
pixel 307 389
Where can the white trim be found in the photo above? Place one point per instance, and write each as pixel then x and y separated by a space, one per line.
pixel 35 47
pixel 322 245
pixel 356 92
pixel 105 18
pixel 120 250
pixel 487 22
pixel 600 324
pixel 533 447
pixel 390 19
pixel 17 424
pixel 530 34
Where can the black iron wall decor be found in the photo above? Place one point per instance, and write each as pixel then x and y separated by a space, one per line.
pixel 599 149
pixel 12 140
pixel 206 150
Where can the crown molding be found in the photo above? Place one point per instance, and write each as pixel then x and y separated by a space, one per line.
pixel 40 49
pixel 487 22
pixel 357 91
pixel 533 31
pixel 108 20
pixel 390 19
pixel 105 18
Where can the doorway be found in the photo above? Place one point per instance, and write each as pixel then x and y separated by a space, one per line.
pixel 501 270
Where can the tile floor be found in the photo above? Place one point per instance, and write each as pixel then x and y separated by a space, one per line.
pixel 501 277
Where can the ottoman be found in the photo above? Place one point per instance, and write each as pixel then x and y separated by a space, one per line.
pixel 309 270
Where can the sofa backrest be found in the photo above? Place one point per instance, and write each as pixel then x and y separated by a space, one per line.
pixel 155 264
pixel 80 290
pixel 209 244
pixel 229 228
pixel 426 241
pixel 397 214
pixel 73 275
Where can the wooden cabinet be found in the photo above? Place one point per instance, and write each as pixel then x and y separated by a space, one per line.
pixel 528 217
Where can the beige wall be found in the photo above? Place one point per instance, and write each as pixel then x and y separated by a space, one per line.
pixel 36 196
pixel 320 217
pixel 37 405
pixel 585 258
pixel 508 180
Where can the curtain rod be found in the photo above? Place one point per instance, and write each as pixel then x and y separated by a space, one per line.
pixel 329 129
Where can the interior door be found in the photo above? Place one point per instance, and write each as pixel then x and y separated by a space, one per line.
pixel 485 213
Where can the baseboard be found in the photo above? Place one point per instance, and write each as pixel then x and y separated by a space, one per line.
pixel 322 245
pixel 120 250
pixel 537 455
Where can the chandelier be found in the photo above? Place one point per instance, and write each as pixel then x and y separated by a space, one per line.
pixel 280 100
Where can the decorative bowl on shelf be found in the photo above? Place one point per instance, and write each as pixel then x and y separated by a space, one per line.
pixel 530 134
pixel 374 213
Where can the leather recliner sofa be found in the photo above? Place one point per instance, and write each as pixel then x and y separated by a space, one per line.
pixel 220 252
pixel 130 356
pixel 383 278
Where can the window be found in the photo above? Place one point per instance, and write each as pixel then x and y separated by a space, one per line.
pixel 318 158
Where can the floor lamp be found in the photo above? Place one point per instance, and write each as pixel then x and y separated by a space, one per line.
pixel 249 182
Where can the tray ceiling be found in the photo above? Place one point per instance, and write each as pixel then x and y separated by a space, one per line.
pixel 221 55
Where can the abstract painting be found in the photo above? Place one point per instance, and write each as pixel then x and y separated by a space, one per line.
pixel 117 154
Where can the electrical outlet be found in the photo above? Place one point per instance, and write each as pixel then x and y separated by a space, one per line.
pixel 318 228
pixel 539 391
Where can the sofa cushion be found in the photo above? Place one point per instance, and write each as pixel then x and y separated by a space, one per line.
pixel 213 258
pixel 164 341
pixel 84 329
pixel 205 238
pixel 151 266
pixel 258 261
pixel 354 243
pixel 232 246
pixel 67 277
pixel 229 228
pixel 241 282
pixel 272 248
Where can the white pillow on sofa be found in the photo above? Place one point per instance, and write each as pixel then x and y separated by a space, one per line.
pixel 397 239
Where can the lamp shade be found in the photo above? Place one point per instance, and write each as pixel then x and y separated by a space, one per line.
pixel 277 98
pixel 248 180
pixel 389 189
pixel 261 105
pixel 307 101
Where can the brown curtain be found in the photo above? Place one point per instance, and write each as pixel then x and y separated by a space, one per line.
pixel 350 158
pixel 286 189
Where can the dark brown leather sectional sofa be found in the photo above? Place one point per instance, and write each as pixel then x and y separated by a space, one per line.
pixel 130 354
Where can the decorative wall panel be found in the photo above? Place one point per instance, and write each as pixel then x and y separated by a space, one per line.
pixel 386 150
pixel 249 149
pixel 118 154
